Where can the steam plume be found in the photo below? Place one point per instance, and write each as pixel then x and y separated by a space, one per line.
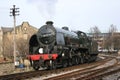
pixel 46 7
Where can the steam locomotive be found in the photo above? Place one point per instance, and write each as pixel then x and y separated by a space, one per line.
pixel 51 47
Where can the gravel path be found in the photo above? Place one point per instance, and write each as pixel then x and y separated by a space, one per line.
pixel 6 68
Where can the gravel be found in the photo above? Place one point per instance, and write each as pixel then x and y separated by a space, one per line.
pixel 8 68
pixel 115 76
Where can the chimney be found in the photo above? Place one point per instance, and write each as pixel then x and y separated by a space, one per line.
pixel 65 28
pixel 49 23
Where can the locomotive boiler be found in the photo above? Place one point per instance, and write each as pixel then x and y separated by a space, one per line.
pixel 52 47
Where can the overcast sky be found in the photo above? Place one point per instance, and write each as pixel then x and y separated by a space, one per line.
pixel 76 14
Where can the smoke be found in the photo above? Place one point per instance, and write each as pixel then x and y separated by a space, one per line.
pixel 45 7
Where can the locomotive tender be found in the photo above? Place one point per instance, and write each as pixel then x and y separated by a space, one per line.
pixel 51 47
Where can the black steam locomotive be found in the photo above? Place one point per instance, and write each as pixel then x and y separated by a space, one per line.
pixel 51 47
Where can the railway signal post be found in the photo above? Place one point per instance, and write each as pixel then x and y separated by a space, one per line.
pixel 14 12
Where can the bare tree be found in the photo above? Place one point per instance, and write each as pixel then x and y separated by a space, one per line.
pixel 8 47
pixel 116 41
pixel 23 46
pixel 95 32
pixel 110 39
pixel 112 29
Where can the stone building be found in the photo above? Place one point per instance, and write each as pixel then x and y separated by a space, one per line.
pixel 23 33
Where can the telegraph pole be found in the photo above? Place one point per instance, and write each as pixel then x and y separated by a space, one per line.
pixel 14 12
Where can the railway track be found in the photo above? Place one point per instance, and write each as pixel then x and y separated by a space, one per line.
pixel 31 74
pixel 91 74
pixel 98 74
pixel 83 74
pixel 82 68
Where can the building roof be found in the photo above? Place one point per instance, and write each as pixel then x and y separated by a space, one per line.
pixel 6 29
pixel 10 29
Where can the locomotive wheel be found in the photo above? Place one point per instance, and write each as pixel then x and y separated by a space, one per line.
pixel 86 57
pixel 81 59
pixel 36 65
pixel 73 61
pixel 51 66
pixel 54 65
pixel 70 62
pixel 93 58
pixel 77 61
pixel 48 65
pixel 65 63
